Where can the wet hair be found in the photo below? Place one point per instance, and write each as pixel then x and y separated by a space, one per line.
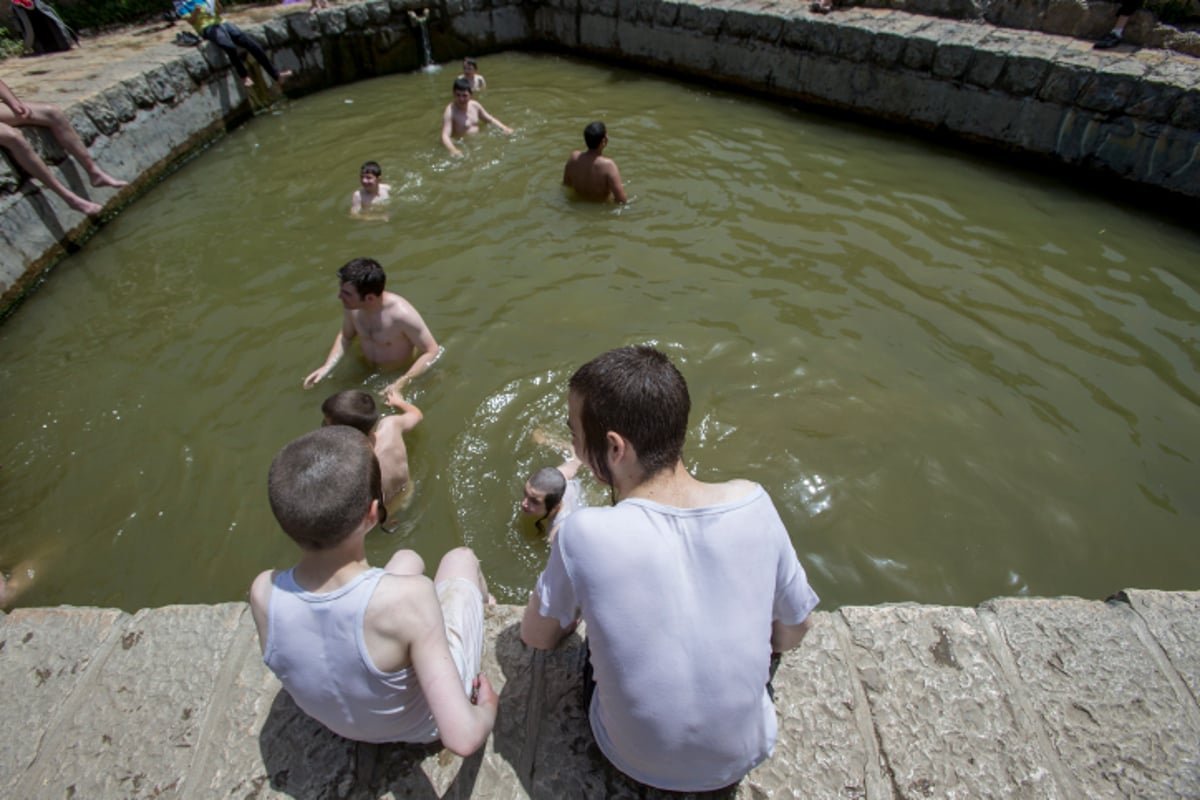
pixel 553 484
pixel 462 85
pixel 364 274
pixel 371 167
pixel 638 393
pixel 593 135
pixel 321 486
pixel 470 62
pixel 351 407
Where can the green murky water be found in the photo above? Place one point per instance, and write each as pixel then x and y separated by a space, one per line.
pixel 957 381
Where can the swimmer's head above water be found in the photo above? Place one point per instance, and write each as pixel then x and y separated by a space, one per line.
pixel 352 407
pixel 595 135
pixel 543 494
pixel 365 276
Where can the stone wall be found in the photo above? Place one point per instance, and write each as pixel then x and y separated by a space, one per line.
pixel 1133 117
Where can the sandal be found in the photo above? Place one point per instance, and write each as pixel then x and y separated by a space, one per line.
pixel 821 6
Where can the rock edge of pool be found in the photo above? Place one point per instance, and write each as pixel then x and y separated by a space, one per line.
pixel 1017 697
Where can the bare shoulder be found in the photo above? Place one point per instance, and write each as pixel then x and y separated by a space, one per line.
pixel 260 589
pixel 402 605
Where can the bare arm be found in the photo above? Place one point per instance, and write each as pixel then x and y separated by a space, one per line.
pixel 544 633
pixel 409 415
pixel 448 130
pixel 484 115
pixel 464 726
pixel 260 599
pixel 569 467
pixel 787 637
pixel 418 333
pixel 344 337
pixel 355 203
pixel 614 182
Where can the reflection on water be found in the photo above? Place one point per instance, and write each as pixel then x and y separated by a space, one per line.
pixel 957 381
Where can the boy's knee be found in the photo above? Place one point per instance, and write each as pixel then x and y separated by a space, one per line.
pixel 405 562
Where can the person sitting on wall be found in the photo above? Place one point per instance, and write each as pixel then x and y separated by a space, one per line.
pixel 17 114
pixel 1115 36
pixel 375 655
pixel 687 588
pixel 206 19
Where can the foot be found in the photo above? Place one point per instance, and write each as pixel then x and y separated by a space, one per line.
pixel 821 6
pixel 84 206
pixel 1109 41
pixel 247 81
pixel 284 75
pixel 101 178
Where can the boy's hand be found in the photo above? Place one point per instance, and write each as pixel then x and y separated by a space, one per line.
pixel 482 693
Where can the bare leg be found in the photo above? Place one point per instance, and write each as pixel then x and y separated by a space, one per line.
pixel 47 116
pixel 462 563
pixel 405 562
pixel 21 151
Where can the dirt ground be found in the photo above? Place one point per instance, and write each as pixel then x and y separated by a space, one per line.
pixel 64 78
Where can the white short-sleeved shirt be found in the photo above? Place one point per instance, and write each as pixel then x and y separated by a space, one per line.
pixel 679 605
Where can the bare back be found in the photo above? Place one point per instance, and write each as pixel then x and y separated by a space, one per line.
pixel 388 440
pixel 593 177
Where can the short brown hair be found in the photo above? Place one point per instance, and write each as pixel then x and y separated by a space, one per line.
pixel 351 407
pixel 637 392
pixel 321 486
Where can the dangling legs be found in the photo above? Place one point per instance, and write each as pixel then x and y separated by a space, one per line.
pixel 23 153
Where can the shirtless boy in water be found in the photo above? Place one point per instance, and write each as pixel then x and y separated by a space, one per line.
pixel 463 115
pixel 357 409
pixel 392 333
pixel 372 190
pixel 590 174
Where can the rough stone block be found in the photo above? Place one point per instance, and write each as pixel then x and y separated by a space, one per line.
pixel 856 43
pixel 666 15
pixel 277 33
pixel 887 48
pixel 1186 114
pixel 134 730
pixel 101 114
pixel 757 27
pixel 930 676
pixel 1106 93
pixel 823 38
pixel 598 8
pixel 304 27
pixel 797 33
pixel 1023 74
pixel 556 26
pixel 356 17
pixel 139 89
pixel 1062 83
pixel 1173 618
pixel 950 60
pixel 197 66
pixel 45 655
pixel 1114 718
pixel 1154 101
pixel 598 32
pixel 81 121
pixel 822 715
pixel 919 53
pixel 379 12
pixel 333 21
pixel 985 68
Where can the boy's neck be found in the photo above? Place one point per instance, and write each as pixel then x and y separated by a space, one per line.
pixel 326 570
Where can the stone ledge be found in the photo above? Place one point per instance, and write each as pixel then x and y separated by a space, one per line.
pixel 1036 698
